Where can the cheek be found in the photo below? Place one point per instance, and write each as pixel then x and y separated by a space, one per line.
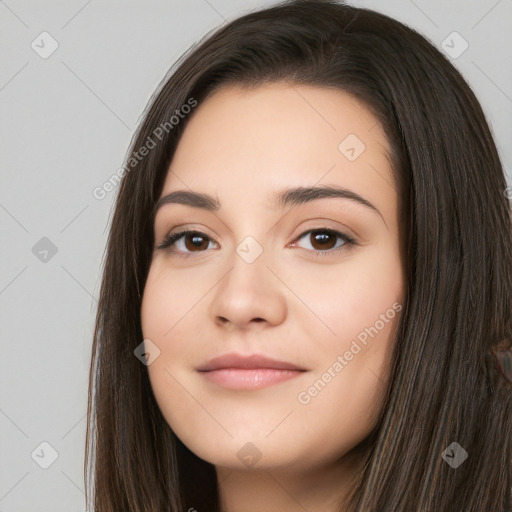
pixel 169 297
pixel 355 309
pixel 343 397
pixel 340 303
pixel 166 312
pixel 171 304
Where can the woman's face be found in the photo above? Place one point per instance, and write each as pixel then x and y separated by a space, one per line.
pixel 271 272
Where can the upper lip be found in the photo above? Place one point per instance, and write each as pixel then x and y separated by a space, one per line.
pixel 251 361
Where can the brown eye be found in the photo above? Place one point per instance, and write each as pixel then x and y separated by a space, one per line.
pixel 195 241
pixel 323 241
pixel 186 242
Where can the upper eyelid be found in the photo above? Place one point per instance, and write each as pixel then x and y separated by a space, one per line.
pixel 342 229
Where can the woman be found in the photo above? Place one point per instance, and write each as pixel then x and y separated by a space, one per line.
pixel 306 301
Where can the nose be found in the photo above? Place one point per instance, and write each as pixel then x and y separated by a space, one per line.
pixel 249 296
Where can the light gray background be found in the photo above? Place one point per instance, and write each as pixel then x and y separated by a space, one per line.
pixel 65 125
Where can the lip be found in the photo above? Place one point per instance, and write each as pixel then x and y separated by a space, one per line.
pixel 247 362
pixel 248 372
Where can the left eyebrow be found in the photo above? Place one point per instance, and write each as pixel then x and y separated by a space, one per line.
pixel 301 195
pixel 288 197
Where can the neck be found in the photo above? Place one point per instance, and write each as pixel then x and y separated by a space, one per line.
pixel 262 490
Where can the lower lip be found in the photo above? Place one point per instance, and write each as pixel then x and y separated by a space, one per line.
pixel 249 379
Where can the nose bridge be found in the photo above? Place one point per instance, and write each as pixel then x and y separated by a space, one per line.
pixel 249 273
pixel 250 236
pixel 250 250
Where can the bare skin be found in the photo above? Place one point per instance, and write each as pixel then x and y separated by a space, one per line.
pixel 307 297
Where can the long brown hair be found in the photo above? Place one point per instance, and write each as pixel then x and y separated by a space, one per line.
pixel 444 384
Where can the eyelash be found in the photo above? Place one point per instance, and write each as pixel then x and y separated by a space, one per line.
pixel 171 239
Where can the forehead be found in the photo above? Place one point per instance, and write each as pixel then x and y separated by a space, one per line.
pixel 256 141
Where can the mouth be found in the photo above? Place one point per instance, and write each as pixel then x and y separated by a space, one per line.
pixel 244 379
pixel 238 372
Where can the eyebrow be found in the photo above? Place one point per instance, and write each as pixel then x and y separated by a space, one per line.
pixel 289 197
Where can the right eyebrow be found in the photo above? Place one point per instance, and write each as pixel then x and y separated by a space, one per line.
pixel 189 198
